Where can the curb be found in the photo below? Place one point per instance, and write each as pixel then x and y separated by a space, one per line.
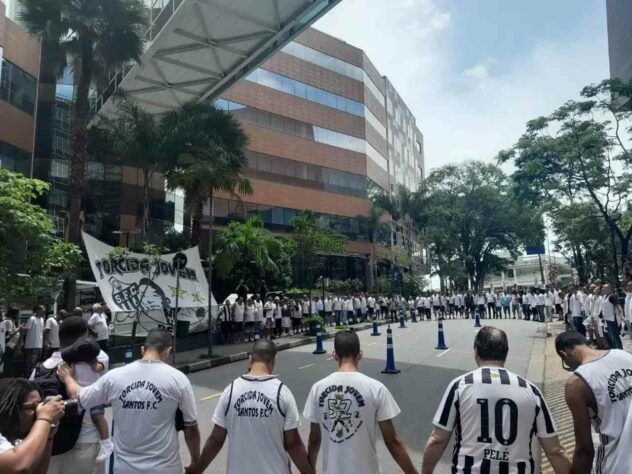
pixel 208 364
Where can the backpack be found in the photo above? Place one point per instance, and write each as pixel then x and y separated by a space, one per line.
pixel 70 424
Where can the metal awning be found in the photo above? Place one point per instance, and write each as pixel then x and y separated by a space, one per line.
pixel 199 48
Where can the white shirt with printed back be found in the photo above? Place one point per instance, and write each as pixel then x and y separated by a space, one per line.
pixel 256 411
pixel 348 407
pixel 98 325
pixel 53 332
pixel 144 396
pixel 34 333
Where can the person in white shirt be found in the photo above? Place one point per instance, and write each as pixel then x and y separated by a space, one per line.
pixel 627 307
pixel 329 319
pixel 259 319
pixel 495 414
pixel 480 304
pixel 145 396
pixel 345 410
pixel 611 313
pixel 548 305
pixel 99 327
pixel 96 310
pixel 259 416
pixel 34 338
pixel 575 308
pixel 238 311
pixel 599 393
pixel 558 301
pixel 268 311
pixel 93 445
pixel 51 336
pixel 337 306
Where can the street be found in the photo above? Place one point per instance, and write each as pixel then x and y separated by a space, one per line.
pixel 425 373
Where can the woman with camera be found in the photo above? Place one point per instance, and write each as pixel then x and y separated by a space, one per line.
pixel 27 427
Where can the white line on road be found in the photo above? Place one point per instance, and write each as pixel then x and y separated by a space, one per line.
pixel 306 366
pixel 369 344
pixel 331 358
pixel 444 353
pixel 210 397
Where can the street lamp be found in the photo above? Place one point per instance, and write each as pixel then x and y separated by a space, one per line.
pixel 179 262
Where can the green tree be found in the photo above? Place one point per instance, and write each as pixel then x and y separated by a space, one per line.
pixel 374 223
pixel 32 259
pixel 580 154
pixel 247 251
pixel 136 140
pixel 473 217
pixel 309 244
pixel 94 37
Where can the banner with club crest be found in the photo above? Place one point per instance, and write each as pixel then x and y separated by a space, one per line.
pixel 141 289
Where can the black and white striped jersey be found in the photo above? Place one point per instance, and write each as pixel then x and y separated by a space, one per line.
pixel 495 415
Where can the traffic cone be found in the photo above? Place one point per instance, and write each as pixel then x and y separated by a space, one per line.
pixel 414 313
pixel 390 354
pixel 441 343
pixel 375 333
pixel 477 324
pixel 402 325
pixel 319 341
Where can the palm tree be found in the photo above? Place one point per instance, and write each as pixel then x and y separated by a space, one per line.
pixel 136 140
pixel 373 223
pixel 94 37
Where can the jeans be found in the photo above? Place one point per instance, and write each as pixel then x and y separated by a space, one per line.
pixel 338 313
pixel 578 323
pixel 614 338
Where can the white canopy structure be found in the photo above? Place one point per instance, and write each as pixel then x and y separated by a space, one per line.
pixel 199 48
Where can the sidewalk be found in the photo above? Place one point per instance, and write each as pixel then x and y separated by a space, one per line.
pixel 553 387
pixel 193 361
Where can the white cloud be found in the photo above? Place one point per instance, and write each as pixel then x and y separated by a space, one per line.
pixel 465 113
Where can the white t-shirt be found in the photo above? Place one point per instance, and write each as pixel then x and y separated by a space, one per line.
pixel 34 333
pixel 238 312
pixel 348 407
pixel 5 445
pixel 98 325
pixel 495 414
pixel 84 376
pixel 256 411
pixel 144 396
pixel 53 332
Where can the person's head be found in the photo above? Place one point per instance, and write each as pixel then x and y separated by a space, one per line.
pixel 158 342
pixel 77 311
pixel 13 313
pixel 569 346
pixel 491 345
pixel 606 289
pixel 39 310
pixel 18 401
pixel 71 329
pixel 96 308
pixel 347 347
pixel 263 353
pixel 628 287
pixel 62 314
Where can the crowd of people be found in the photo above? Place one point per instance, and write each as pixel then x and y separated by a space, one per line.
pixel 493 414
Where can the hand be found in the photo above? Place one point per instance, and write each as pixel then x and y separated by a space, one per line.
pixel 64 372
pixel 52 410
pixel 191 469
pixel 96 366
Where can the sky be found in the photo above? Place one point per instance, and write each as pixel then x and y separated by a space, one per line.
pixel 473 72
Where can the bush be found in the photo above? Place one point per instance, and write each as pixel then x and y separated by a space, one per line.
pixel 345 287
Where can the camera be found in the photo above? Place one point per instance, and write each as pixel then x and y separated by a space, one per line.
pixel 72 406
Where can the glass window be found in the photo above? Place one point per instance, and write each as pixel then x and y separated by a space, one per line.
pixel 289 126
pixel 276 165
pixel 276 123
pixel 343 180
pixel 266 213
pixel 321 96
pixel 263 77
pixel 276 81
pixel 288 214
pixel 301 130
pixel 17 87
pixel 277 216
pixel 331 100
pixel 300 90
pixel 288 85
pixel 301 170
pixel 250 210
pixel 289 169
pixel 262 119
pixel 311 93
pixel 263 163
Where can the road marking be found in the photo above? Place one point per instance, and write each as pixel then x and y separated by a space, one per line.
pixel 331 358
pixel 306 366
pixel 371 343
pixel 210 397
pixel 444 353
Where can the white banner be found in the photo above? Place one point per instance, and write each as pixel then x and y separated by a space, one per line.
pixel 143 288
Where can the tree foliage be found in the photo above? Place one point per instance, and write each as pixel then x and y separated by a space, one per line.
pixel 32 259
pixel 472 217
pixel 309 244
pixel 580 155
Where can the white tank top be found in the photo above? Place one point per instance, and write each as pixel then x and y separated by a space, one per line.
pixel 607 309
pixel 610 379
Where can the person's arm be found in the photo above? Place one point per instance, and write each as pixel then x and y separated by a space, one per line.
pixel 298 453
pixel 435 447
pixel 192 439
pixel 556 455
pixel 212 447
pixel 396 447
pixel 32 454
pixel 313 444
pixel 578 400
pixel 66 374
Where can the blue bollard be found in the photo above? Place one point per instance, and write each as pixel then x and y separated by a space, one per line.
pixel 441 343
pixel 319 341
pixel 477 316
pixel 257 333
pixel 375 333
pixel 390 354
pixel 128 354
pixel 402 324
pixel 414 314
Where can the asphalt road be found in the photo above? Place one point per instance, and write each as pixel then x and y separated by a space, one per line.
pixel 425 373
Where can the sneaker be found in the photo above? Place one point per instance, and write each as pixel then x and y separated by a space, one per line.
pixel 106 448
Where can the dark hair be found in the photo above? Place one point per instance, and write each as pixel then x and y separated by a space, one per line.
pixel 568 340
pixel 13 393
pixel 347 344
pixel 71 329
pixel 491 344
pixel 158 340
pixel 264 350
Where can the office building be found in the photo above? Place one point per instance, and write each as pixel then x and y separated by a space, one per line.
pixel 619 14
pixel 19 71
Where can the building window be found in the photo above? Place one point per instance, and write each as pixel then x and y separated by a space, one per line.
pixel 17 87
pixel 59 169
pixel 15 159
pixel 418 144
